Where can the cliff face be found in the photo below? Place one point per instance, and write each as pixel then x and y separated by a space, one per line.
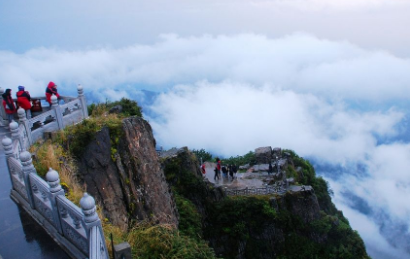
pixel 127 178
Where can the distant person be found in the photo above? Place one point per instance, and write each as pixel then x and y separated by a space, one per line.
pixel 234 169
pixel 225 171
pixel 203 169
pixel 230 171
pixel 8 104
pixel 24 100
pixel 270 169
pixel 50 90
pixel 217 169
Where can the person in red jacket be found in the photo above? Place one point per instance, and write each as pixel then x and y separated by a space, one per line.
pixel 51 89
pixel 24 100
pixel 8 104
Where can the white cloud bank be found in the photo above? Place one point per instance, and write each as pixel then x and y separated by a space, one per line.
pixel 328 100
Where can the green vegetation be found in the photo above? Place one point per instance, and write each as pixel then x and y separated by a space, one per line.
pixel 253 226
pixel 129 107
pixel 248 158
pixel 161 241
pixel 201 153
pixel 76 137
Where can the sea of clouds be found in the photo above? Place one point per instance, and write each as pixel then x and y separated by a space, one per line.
pixel 343 107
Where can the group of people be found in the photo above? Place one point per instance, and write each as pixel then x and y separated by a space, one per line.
pixel 24 100
pixel 227 171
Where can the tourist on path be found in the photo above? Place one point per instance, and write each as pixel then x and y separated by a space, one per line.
pixel 217 169
pixel 8 104
pixel 230 171
pixel 24 100
pixel 234 169
pixel 203 169
pixel 50 90
pixel 225 171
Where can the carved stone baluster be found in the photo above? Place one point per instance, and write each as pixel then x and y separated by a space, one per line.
pixel 82 101
pixel 87 204
pixel 28 168
pixel 23 120
pixel 8 151
pixel 58 114
pixel 76 221
pixel 91 219
pixel 34 188
pixel 63 212
pixel 53 179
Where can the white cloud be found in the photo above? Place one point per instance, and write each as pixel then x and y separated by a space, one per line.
pixel 231 94
pixel 298 62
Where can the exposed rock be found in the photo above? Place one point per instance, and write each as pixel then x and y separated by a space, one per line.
pixel 100 174
pixel 304 204
pixel 132 187
pixel 263 155
pixel 244 167
pixel 150 196
pixel 277 152
pixel 116 109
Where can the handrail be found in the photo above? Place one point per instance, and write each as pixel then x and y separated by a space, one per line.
pixel 77 230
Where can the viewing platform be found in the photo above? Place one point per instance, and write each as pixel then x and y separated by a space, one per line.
pixel 41 202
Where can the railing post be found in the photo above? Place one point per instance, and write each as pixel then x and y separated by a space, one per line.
pixel 82 100
pixel 53 179
pixel 3 114
pixel 28 168
pixel 56 107
pixel 8 151
pixel 14 130
pixel 23 121
pixel 91 220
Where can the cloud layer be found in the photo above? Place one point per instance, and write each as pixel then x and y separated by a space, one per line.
pixel 331 101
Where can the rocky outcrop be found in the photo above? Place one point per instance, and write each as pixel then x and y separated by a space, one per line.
pixel 303 204
pixel 185 165
pixel 263 155
pixel 127 178
pixel 100 175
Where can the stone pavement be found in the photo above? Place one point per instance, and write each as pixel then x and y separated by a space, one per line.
pixel 20 235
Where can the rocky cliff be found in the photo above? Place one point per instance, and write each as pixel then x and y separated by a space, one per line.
pixel 123 172
pixel 293 225
pixel 126 176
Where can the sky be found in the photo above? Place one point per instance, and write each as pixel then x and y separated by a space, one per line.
pixel 327 79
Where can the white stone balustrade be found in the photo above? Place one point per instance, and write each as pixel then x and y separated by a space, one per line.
pixel 77 230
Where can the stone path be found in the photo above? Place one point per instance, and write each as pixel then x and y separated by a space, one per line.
pixel 245 180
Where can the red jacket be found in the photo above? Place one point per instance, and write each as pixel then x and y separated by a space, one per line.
pixel 23 99
pixel 8 100
pixel 51 89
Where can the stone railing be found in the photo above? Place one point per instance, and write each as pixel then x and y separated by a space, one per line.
pixel 50 119
pixel 269 189
pixel 77 230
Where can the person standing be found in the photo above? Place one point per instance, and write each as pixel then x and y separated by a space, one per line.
pixel 230 171
pixel 24 100
pixel 217 169
pixel 234 169
pixel 8 104
pixel 203 169
pixel 225 171
pixel 270 169
pixel 50 90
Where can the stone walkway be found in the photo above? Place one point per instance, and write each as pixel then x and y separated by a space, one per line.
pixel 245 180
pixel 20 235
